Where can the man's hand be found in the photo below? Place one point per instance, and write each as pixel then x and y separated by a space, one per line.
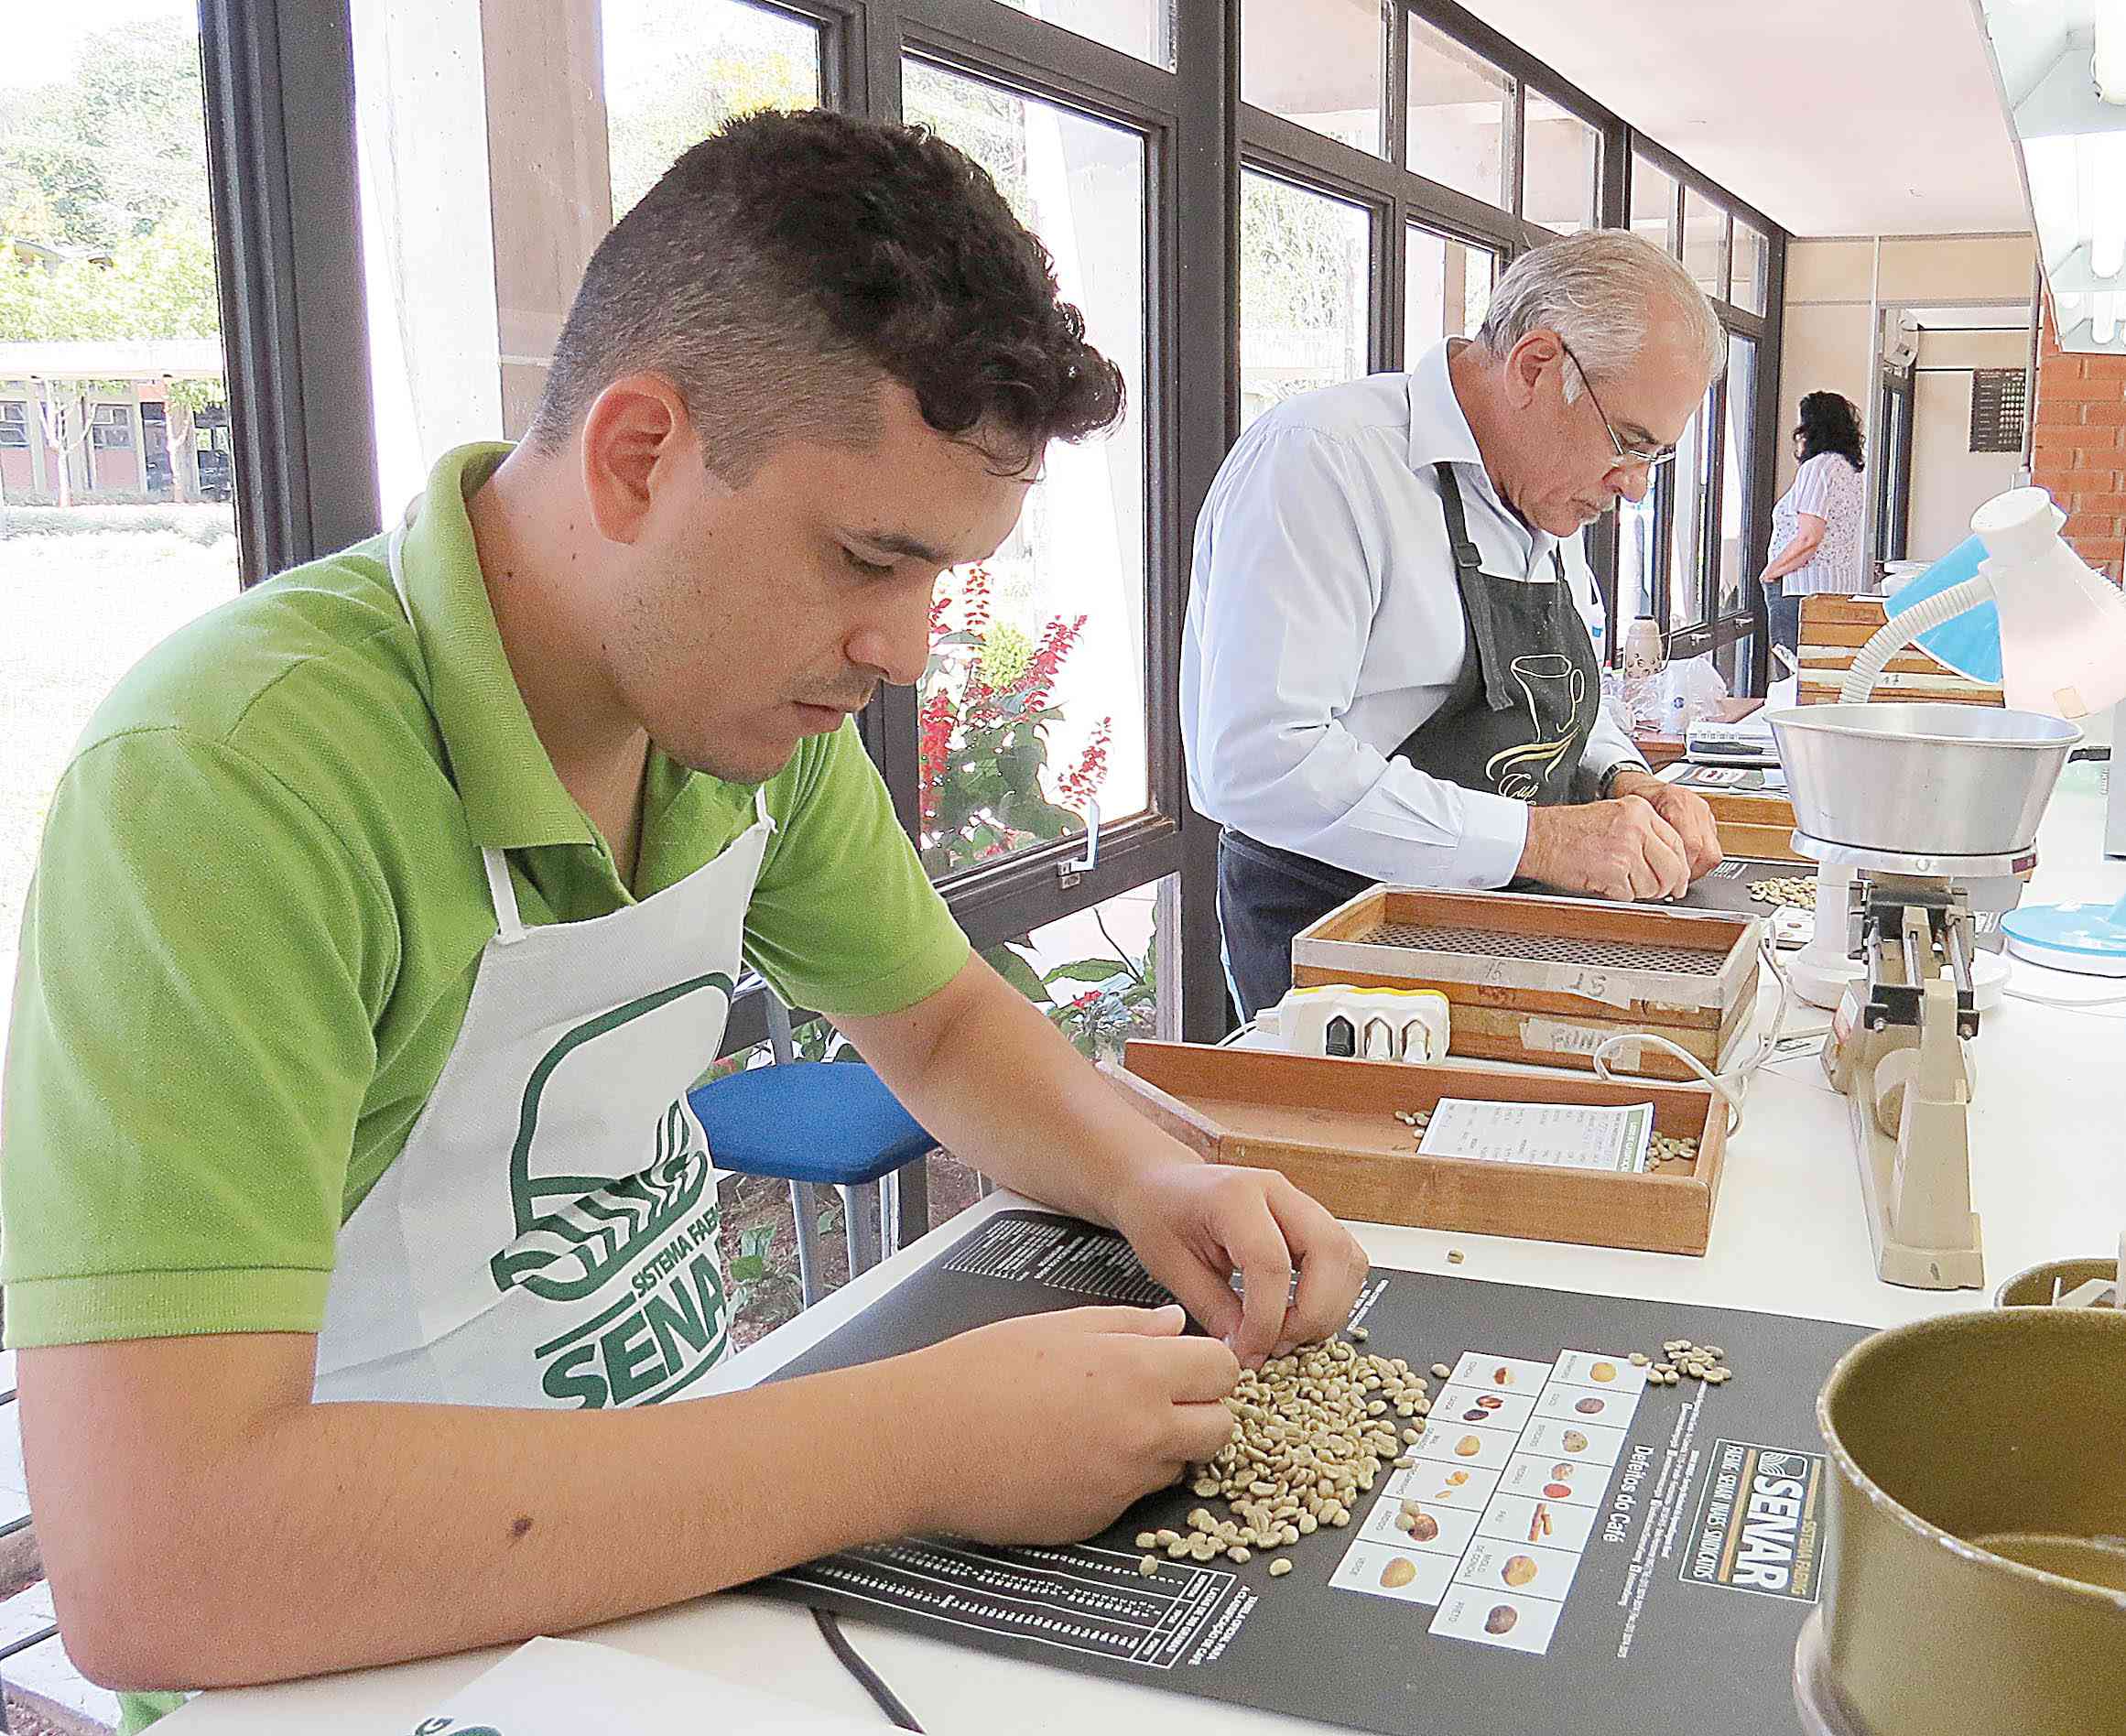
pixel 1194 1225
pixel 993 1079
pixel 1687 815
pixel 1620 850
pixel 1043 1429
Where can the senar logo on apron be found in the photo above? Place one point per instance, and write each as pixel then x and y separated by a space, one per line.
pixel 548 1234
pixel 573 1231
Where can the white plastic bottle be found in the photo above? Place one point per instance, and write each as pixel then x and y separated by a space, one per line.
pixel 1643 661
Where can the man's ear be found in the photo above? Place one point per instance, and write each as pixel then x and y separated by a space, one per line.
pixel 1529 363
pixel 635 437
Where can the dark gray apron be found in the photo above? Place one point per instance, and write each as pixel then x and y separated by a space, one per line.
pixel 1515 724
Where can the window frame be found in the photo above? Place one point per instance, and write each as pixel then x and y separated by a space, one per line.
pixel 300 426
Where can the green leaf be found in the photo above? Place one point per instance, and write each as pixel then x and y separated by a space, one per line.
pixel 1086 970
pixel 1045 820
pixel 748 1268
pixel 758 1240
pixel 1015 971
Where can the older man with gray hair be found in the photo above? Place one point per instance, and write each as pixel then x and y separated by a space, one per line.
pixel 1386 673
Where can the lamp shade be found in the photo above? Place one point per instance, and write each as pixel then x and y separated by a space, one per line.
pixel 1968 643
pixel 2062 624
pixel 2054 635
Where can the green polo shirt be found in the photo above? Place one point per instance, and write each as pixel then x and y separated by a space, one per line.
pixel 260 906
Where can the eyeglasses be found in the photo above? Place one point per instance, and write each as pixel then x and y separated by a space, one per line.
pixel 1651 461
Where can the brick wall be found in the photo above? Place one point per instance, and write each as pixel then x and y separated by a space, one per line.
pixel 2079 454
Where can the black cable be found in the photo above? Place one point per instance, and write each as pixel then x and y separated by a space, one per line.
pixel 867 1678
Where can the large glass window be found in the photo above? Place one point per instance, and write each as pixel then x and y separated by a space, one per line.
pixel 1737 484
pixel 676 70
pixel 1752 253
pixel 1638 560
pixel 1318 63
pixel 1653 203
pixel 1304 262
pixel 1098 971
pixel 1142 28
pixel 1561 168
pixel 1448 287
pixel 487 181
pixel 1687 559
pixel 1458 103
pixel 1033 703
pixel 115 465
pixel 1705 237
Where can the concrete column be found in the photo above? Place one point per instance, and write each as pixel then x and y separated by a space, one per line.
pixel 485 185
pixel 550 178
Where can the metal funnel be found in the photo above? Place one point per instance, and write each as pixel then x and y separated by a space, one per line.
pixel 1937 779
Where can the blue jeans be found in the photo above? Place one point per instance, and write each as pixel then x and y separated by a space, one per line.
pixel 1785 613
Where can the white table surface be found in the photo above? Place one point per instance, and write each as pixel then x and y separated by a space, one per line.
pixel 2049 1182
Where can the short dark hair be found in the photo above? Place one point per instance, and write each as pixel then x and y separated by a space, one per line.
pixel 1830 424
pixel 785 262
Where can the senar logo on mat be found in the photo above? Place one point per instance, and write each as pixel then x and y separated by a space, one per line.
pixel 1760 1522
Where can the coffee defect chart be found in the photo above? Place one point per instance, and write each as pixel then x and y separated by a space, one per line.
pixel 1569 1544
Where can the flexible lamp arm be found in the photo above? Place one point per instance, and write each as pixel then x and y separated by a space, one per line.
pixel 1894 635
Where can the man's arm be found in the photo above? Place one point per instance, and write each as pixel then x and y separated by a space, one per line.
pixel 1281 611
pixel 204 1523
pixel 996 1084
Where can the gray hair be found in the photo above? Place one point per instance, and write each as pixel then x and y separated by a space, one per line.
pixel 1603 291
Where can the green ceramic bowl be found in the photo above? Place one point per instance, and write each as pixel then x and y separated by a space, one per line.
pixel 1949 1436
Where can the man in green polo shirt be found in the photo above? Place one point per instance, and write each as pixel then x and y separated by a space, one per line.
pixel 384 915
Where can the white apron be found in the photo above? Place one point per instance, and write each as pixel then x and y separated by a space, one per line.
pixel 548 1236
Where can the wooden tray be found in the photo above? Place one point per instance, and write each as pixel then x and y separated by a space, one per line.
pixel 1757 823
pixel 1330 1127
pixel 1544 980
pixel 1833 630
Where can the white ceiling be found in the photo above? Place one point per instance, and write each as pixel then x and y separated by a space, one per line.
pixel 1834 117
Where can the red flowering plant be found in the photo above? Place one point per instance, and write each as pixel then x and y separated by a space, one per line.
pixel 983 729
pixel 982 734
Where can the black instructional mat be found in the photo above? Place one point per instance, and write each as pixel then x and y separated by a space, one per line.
pixel 1728 888
pixel 1600 1558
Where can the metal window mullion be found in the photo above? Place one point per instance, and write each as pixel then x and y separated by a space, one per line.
pixel 1303 154
pixel 1001 905
pixel 1395 94
pixel 1385 266
pixel 1766 457
pixel 1207 418
pixel 1664 546
pixel 1460 216
pixel 279 98
pixel 1046 58
pixel 1166 530
pixel 1716 473
pixel 1514 158
pixel 1614 199
pixel 882 42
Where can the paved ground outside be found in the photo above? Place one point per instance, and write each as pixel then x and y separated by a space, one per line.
pixel 78 610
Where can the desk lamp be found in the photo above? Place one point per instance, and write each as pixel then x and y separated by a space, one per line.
pixel 1922 814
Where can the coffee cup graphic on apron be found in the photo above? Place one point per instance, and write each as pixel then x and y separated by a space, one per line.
pixel 1554 688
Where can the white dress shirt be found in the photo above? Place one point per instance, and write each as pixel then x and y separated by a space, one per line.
pixel 1325 624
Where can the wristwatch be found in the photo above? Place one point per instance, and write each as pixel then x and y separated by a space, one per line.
pixel 1606 784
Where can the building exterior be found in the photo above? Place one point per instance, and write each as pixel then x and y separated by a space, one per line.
pixel 101 422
